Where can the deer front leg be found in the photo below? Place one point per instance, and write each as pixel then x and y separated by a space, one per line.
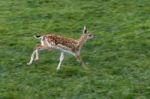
pixel 78 57
pixel 60 60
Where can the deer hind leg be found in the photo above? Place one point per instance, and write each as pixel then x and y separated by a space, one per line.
pixel 35 54
pixel 32 58
pixel 60 60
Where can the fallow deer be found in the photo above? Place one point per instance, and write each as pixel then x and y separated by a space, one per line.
pixel 64 45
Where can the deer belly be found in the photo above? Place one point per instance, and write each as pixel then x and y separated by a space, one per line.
pixel 65 49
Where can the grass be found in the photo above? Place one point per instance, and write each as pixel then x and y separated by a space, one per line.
pixel 118 59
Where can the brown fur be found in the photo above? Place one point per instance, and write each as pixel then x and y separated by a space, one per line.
pixel 59 40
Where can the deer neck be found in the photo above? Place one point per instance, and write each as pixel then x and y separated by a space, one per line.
pixel 81 41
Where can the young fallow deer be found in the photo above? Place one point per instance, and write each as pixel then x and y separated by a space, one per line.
pixel 64 45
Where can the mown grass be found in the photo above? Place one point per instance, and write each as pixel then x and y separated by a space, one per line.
pixel 118 59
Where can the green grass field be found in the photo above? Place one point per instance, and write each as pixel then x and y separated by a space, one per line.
pixel 118 60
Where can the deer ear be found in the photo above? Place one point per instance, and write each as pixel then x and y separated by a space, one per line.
pixel 84 30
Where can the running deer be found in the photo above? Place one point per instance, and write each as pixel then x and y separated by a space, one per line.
pixel 64 45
